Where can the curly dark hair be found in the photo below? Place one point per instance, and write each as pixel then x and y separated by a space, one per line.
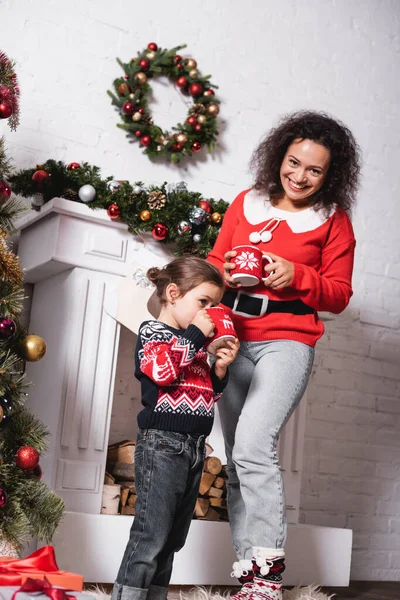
pixel 341 184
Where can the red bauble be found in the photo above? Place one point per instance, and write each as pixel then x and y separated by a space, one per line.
pixel 113 211
pixel 205 205
pixel 196 147
pixel 191 120
pixel 6 93
pixel 138 133
pixel 152 46
pixel 145 140
pixel 198 127
pixel 27 457
pixel 141 111
pixel 124 89
pixel 5 110
pixel 195 89
pixel 176 147
pixel 39 177
pixel 3 498
pixel 159 232
pixel 5 191
pixel 209 93
pixel 144 63
pixel 7 328
pixel 178 58
pixel 73 166
pixel 179 66
pixel 181 82
pixel 128 108
pixel 126 76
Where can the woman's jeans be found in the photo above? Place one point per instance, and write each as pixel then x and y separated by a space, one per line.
pixel 168 469
pixel 266 382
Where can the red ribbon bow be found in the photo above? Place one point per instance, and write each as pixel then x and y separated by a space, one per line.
pixel 44 587
pixel 39 562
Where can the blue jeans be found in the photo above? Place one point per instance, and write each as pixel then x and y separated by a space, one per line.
pixel 266 382
pixel 168 468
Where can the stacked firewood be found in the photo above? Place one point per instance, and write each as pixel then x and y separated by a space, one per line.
pixel 119 492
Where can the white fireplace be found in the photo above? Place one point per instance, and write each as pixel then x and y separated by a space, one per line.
pixel 78 262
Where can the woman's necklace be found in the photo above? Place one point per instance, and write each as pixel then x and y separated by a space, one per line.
pixel 265 234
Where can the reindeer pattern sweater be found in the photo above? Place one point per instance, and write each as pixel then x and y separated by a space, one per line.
pixel 178 386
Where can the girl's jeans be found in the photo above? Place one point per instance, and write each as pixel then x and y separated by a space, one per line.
pixel 168 469
pixel 266 383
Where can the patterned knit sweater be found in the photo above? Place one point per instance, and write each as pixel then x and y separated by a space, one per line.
pixel 178 387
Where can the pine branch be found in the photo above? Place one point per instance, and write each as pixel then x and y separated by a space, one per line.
pixel 5 163
pixel 9 211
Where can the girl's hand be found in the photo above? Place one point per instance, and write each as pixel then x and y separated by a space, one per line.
pixel 283 274
pixel 228 266
pixel 204 322
pixel 225 356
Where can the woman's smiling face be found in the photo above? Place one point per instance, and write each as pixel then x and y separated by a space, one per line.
pixel 303 171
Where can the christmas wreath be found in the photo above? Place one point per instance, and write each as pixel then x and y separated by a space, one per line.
pixel 170 212
pixel 130 98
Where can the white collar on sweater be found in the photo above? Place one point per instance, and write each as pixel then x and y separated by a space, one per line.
pixel 257 209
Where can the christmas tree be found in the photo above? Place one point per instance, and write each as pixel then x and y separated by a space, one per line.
pixel 28 508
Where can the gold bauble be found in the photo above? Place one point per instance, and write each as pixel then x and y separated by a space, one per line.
pixel 150 54
pixel 201 119
pixel 191 63
pixel 140 77
pixel 132 96
pixel 193 73
pixel 213 109
pixel 145 215
pixel 32 348
pixel 136 116
pixel 216 217
pixel 182 138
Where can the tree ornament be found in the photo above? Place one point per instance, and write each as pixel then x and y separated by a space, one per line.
pixel 209 93
pixel 183 227
pixel 145 215
pixel 113 186
pixel 197 238
pixel 73 166
pixel 113 211
pixel 205 205
pixel 137 189
pixel 213 109
pixel 181 82
pixel 197 215
pixel 195 89
pixel 5 191
pixel 39 177
pixel 124 89
pixel 196 147
pixel 144 64
pixel 145 140
pixel 181 138
pixel 177 58
pixel 191 63
pixel 7 328
pixel 191 120
pixel 27 457
pixel 152 46
pixel 137 116
pixel 140 78
pixel 128 108
pixel 156 200
pixel 159 232
pixel 216 218
pixel 150 54
pixel 5 110
pixel 201 119
pixel 37 201
pixel 177 147
pixel 87 193
pixel 138 133
pixel 198 127
pixel 32 348
pixel 3 497
pixel 6 407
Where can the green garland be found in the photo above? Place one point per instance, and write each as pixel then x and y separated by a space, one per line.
pixel 170 212
pixel 130 98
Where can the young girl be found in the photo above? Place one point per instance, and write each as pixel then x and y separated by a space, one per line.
pixel 178 394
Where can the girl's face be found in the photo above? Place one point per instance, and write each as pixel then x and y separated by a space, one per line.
pixel 186 307
pixel 303 171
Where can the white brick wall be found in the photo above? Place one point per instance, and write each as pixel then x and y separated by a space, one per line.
pixel 268 58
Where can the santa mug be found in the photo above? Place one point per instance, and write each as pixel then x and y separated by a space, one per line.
pixel 224 329
pixel 249 265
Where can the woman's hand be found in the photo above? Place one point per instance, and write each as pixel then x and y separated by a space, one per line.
pixel 282 272
pixel 228 266
pixel 225 356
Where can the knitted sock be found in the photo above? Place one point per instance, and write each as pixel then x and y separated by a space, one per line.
pixel 243 570
pixel 268 566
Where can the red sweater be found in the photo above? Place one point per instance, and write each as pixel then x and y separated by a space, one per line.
pixel 322 250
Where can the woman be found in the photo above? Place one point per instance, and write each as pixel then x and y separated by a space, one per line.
pixel 306 177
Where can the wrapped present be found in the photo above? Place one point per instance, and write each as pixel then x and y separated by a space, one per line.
pixel 30 591
pixel 40 564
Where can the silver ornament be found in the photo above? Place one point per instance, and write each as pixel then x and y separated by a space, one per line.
pixel 197 215
pixel 181 186
pixel 87 193
pixel 197 238
pixel 37 201
pixel 113 186
pixel 183 227
pixel 137 189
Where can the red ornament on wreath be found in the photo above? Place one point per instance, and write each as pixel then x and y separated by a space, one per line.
pixel 196 147
pixel 195 89
pixel 191 120
pixel 145 140
pixel 209 93
pixel 128 108
pixel 181 82
pixel 159 232
pixel 138 133
pixel 124 89
pixel 113 211
pixel 152 46
pixel 27 458
pixel 5 110
pixel 5 191
pixel 3 498
pixel 144 64
pixel 73 166
pixel 39 177
pixel 205 205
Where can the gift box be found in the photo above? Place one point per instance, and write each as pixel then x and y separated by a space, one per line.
pixel 7 592
pixel 40 564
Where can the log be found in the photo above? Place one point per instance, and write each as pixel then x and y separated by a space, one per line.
pixel 127 510
pixel 219 482
pixel 207 479
pixel 121 471
pixel 220 502
pixel 215 492
pixel 213 465
pixel 124 496
pixel 110 499
pixel 108 479
pixel 201 508
pixel 123 452
pixel 132 500
pixel 212 515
